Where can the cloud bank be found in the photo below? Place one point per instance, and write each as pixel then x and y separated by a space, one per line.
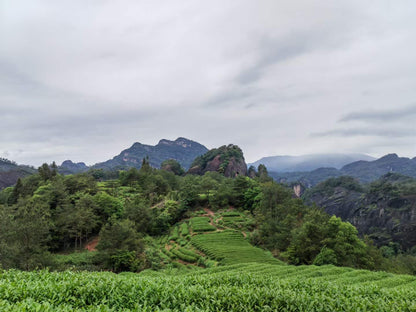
pixel 83 80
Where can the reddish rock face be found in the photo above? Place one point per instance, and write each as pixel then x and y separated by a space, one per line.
pixel 214 165
pixel 233 168
pixel 236 168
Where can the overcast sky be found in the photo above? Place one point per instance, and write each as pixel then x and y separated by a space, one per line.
pixel 84 79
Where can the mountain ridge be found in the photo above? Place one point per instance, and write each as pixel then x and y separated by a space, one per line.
pixel 364 171
pixel 309 162
pixel 10 172
pixel 183 150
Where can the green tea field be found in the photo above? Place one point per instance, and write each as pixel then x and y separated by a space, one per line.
pixel 239 287
pixel 216 270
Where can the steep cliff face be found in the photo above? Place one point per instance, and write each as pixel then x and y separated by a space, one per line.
pixel 385 210
pixel 227 160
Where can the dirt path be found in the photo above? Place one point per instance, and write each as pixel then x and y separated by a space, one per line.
pixel 210 214
pixel 92 244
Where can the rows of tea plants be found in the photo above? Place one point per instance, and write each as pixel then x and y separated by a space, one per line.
pixel 184 229
pixel 201 224
pixel 240 287
pixel 230 247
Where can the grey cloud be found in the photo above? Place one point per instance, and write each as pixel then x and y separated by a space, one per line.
pixel 261 74
pixel 12 80
pixel 379 115
pixel 351 132
pixel 272 51
pixel 230 96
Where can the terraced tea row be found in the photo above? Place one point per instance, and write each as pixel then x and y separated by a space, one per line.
pixel 202 224
pixel 230 247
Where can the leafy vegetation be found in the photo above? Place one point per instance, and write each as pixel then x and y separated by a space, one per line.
pixel 201 224
pixel 229 247
pixel 150 218
pixel 381 210
pixel 239 287
pixel 225 152
pixel 201 243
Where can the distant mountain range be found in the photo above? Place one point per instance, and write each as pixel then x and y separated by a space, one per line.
pixel 182 150
pixel 308 170
pixel 364 171
pixel 309 162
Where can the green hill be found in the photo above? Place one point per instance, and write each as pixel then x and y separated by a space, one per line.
pixel 10 172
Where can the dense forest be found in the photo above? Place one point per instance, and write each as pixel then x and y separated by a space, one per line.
pixel 47 217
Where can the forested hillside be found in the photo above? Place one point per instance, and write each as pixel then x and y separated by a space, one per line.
pixel 10 172
pixel 47 216
pixel 199 241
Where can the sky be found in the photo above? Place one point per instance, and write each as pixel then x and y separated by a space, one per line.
pixel 85 79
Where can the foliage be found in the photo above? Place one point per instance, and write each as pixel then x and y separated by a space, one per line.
pixel 48 212
pixel 224 152
pixel 120 246
pixel 174 166
pixel 201 224
pixel 327 187
pixel 239 287
pixel 230 247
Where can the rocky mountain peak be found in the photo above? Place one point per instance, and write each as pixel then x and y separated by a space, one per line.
pixel 182 150
pixel 227 160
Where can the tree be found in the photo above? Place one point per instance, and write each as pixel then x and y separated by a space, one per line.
pixel 80 183
pixel 146 168
pixel 30 233
pixel 80 221
pixel 8 242
pixel 120 246
pixel 251 172
pixel 108 206
pixel 325 256
pixel 174 166
pixel 342 237
pixel 263 174
pixel 45 172
pixel 324 240
pixel 277 213
pixel 17 191
pixel 137 210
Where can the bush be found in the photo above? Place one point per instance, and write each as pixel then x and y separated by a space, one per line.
pixel 326 256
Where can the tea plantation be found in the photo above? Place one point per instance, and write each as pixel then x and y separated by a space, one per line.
pixel 241 277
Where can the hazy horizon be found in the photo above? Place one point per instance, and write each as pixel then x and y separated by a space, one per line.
pixel 76 160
